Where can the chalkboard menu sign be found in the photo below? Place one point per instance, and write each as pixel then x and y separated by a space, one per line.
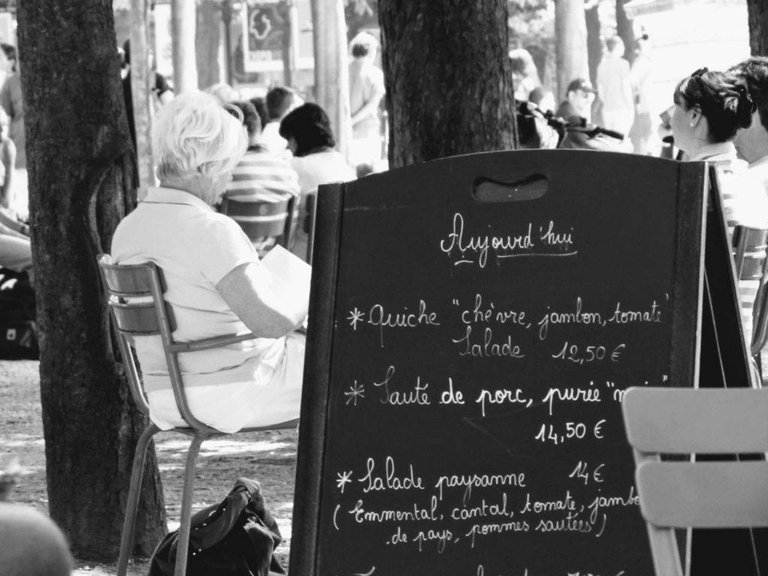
pixel 474 324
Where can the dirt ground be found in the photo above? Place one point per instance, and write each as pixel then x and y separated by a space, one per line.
pixel 269 457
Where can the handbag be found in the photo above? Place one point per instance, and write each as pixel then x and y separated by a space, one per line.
pixel 236 537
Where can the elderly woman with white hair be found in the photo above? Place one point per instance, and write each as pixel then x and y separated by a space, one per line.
pixel 215 282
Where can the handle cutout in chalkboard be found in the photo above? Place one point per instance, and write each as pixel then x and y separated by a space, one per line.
pixel 531 188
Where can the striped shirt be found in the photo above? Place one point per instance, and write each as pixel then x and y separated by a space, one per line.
pixel 262 177
pixel 744 203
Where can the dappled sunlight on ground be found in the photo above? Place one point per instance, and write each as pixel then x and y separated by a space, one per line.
pixel 268 457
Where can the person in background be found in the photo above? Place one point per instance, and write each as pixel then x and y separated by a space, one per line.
pixel 13 104
pixel 640 77
pixel 544 99
pixel 161 90
pixel 261 109
pixel 216 284
pixel 224 92
pixel 280 101
pixel 525 75
pixel 307 129
pixel 7 163
pixel 752 142
pixel 615 88
pixel 710 108
pixel 578 100
pixel 260 176
pixel 366 89
pixel 33 545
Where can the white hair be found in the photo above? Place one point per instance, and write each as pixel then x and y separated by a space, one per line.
pixel 194 134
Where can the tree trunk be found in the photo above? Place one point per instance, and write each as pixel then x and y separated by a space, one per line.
pixel 81 176
pixel 625 30
pixel 141 93
pixel 331 68
pixel 571 35
pixel 448 78
pixel 594 43
pixel 183 15
pixel 758 27
pixel 207 42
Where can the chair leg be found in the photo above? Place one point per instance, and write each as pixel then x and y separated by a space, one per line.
pixel 132 505
pixel 182 549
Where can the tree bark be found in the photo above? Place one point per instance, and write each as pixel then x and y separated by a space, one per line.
pixel 141 93
pixel 448 78
pixel 594 43
pixel 331 67
pixel 625 30
pixel 207 42
pixel 81 176
pixel 758 27
pixel 183 14
pixel 571 35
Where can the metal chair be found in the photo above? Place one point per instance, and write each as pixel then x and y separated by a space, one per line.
pixel 686 494
pixel 138 308
pixel 750 251
pixel 265 223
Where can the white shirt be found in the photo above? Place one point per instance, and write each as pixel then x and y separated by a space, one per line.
pixel 196 248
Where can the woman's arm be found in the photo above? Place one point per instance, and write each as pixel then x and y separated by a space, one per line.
pixel 247 292
pixel 9 160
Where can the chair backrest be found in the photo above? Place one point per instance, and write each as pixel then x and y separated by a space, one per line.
pixel 751 260
pixel 683 494
pixel 260 220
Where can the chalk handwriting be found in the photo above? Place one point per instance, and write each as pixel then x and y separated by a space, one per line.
pixel 475 249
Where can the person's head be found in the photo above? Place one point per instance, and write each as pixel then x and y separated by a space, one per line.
pixel 307 128
pixel 544 99
pixel 33 544
pixel 363 45
pixel 280 101
pixel 250 119
pixel 525 75
pixel 261 109
pixel 710 107
pixel 11 55
pixel 615 46
pixel 581 94
pixel 197 143
pixel 224 92
pixel 752 142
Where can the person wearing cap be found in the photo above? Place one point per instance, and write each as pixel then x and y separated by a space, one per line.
pixel 578 100
pixel 366 89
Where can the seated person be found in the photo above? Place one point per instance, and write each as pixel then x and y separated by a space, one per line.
pixel 261 176
pixel 215 282
pixel 15 247
pixel 578 100
pixel 307 129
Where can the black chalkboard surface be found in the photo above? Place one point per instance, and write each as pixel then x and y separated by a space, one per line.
pixel 474 323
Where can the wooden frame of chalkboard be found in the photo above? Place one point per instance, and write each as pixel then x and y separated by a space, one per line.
pixel 473 324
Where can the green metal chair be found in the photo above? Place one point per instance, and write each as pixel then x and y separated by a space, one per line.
pixel 135 297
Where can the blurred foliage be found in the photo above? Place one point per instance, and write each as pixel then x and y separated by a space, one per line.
pixel 530 22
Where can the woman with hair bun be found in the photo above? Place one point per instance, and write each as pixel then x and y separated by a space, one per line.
pixel 215 283
pixel 710 107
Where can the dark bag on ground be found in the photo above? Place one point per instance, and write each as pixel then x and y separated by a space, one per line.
pixel 18 326
pixel 234 538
